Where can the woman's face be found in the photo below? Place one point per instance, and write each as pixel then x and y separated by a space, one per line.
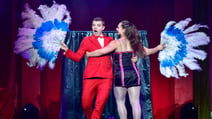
pixel 120 29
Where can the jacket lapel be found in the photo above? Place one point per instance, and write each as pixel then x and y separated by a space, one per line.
pixel 105 41
pixel 94 41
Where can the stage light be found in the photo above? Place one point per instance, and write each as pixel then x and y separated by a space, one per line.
pixel 30 111
pixel 189 111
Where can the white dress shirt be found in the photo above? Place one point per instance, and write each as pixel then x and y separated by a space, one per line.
pixel 101 41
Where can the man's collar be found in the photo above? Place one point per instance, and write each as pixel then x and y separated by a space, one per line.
pixel 101 36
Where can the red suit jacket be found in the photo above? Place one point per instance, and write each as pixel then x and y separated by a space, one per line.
pixel 100 67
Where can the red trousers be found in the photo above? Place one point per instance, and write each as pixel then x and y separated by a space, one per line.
pixel 91 87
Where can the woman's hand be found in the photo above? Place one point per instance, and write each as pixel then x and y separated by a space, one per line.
pixel 161 46
pixel 87 54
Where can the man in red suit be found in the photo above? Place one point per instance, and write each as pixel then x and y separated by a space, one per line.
pixel 97 78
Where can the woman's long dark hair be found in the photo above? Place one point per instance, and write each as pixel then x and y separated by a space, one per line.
pixel 133 36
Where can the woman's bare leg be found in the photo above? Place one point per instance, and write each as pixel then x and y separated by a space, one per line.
pixel 120 95
pixel 134 96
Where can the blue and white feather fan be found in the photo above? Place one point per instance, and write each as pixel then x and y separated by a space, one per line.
pixel 39 38
pixel 181 48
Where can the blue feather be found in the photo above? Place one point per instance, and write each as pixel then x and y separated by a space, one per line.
pixel 181 53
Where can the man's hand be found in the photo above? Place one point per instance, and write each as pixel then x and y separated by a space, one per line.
pixel 134 59
pixel 63 46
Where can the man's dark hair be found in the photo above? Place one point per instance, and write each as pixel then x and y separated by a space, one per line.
pixel 99 19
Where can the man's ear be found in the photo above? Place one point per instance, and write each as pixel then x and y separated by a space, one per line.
pixel 103 27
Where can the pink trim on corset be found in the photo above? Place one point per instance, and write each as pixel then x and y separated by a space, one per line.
pixel 114 71
pixel 139 79
pixel 122 70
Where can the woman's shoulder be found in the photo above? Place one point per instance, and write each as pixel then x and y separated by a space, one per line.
pixel 116 42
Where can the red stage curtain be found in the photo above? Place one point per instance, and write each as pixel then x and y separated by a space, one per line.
pixel 7 103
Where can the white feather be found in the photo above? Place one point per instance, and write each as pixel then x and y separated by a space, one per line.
pixel 51 65
pixel 197 39
pixel 181 70
pixel 174 72
pixel 166 71
pixel 195 53
pixel 193 28
pixel 54 12
pixel 191 63
pixel 54 38
pixel 32 20
pixel 28 32
pixel 183 23
pixel 170 23
pixel 22 45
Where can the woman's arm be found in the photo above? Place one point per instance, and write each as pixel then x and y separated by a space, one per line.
pixel 109 48
pixel 149 51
